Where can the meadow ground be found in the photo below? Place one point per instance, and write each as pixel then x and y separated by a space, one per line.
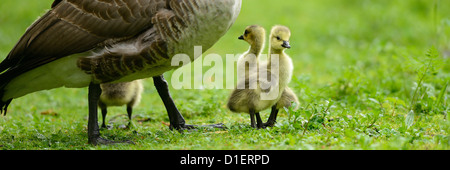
pixel 370 75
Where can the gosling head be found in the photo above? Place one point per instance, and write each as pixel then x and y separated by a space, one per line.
pixel 279 37
pixel 254 34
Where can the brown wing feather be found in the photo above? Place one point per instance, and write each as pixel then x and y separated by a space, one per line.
pixel 75 26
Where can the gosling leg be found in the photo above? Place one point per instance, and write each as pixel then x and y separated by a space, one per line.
pixel 272 118
pixel 252 119
pixel 104 113
pixel 259 122
pixel 130 114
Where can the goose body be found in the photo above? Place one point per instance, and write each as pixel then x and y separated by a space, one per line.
pixel 84 41
pixel 119 94
pixel 81 43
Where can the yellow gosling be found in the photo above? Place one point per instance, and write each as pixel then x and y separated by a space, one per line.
pixel 255 36
pixel 251 100
pixel 119 94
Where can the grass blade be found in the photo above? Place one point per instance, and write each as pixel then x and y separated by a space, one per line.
pixel 441 95
pixel 409 121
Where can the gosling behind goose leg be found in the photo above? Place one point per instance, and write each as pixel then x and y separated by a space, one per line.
pixel 176 119
pixel 104 110
pixel 93 129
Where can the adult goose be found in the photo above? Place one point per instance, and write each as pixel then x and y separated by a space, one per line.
pixel 81 43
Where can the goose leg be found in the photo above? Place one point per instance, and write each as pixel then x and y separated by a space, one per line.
pixel 272 118
pixel 93 130
pixel 176 119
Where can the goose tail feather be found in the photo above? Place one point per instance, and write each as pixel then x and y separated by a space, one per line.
pixel 4 106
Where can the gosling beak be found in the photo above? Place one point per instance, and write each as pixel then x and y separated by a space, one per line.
pixel 241 37
pixel 286 44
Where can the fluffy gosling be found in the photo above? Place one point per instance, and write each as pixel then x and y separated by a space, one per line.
pixel 249 100
pixel 119 94
pixel 255 36
pixel 288 97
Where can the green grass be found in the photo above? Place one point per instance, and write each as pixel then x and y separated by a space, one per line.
pixel 360 67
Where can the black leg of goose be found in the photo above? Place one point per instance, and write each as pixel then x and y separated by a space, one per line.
pixel 93 130
pixel 176 119
pixel 272 118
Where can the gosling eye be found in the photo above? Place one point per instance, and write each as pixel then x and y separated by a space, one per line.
pixel 278 38
pixel 246 32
